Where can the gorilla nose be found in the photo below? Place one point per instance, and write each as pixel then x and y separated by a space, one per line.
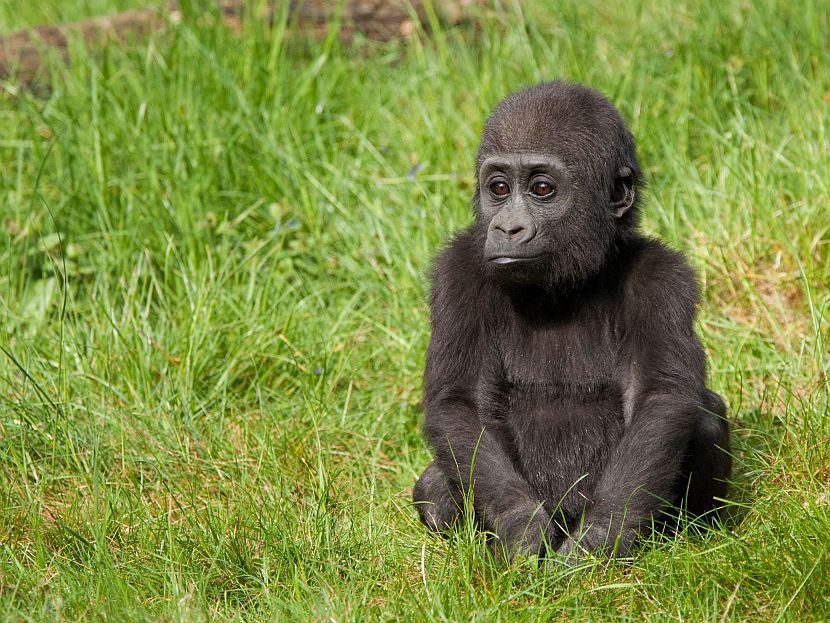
pixel 515 228
pixel 512 230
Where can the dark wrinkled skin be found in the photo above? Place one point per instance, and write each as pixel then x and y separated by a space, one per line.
pixel 565 385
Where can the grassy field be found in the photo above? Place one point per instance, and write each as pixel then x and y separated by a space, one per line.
pixel 15 14
pixel 214 251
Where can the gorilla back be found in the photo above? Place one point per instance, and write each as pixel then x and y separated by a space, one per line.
pixel 565 386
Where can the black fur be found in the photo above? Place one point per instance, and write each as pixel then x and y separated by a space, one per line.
pixel 565 386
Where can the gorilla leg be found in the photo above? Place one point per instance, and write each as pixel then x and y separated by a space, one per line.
pixel 708 462
pixel 438 501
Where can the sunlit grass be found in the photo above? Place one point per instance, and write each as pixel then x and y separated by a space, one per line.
pixel 15 14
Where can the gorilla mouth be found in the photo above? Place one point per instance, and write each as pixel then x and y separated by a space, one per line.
pixel 506 260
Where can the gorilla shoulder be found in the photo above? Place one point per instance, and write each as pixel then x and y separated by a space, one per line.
pixel 457 273
pixel 661 287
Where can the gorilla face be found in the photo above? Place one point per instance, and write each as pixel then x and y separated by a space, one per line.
pixel 555 191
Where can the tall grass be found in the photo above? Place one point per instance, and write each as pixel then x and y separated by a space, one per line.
pixel 15 14
pixel 214 264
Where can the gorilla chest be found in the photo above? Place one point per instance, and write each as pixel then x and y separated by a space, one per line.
pixel 559 377
pixel 563 406
pixel 569 362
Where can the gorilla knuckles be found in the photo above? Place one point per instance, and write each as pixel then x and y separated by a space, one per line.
pixel 564 385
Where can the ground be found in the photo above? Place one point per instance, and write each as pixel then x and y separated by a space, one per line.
pixel 214 259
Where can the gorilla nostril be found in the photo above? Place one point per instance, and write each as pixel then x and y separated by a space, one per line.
pixel 527 234
pixel 511 231
pixel 515 230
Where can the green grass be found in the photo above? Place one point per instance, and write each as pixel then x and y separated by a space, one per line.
pixel 214 252
pixel 15 14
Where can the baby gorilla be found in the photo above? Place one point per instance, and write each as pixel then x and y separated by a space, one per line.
pixel 565 386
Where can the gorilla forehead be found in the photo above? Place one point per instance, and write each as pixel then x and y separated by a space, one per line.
pixel 575 123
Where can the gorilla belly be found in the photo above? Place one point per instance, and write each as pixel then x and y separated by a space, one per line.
pixel 563 435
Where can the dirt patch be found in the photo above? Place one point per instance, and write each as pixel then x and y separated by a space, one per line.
pixel 23 53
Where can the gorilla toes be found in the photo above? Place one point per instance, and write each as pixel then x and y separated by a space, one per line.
pixel 713 404
pixel 593 541
pixel 437 508
pixel 521 533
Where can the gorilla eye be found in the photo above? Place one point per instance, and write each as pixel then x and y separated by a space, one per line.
pixel 500 189
pixel 542 188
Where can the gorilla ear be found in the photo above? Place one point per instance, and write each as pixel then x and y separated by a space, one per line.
pixel 624 193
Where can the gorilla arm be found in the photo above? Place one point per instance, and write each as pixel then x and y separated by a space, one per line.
pixel 471 456
pixel 663 374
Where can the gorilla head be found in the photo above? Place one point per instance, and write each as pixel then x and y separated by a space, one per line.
pixel 557 185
